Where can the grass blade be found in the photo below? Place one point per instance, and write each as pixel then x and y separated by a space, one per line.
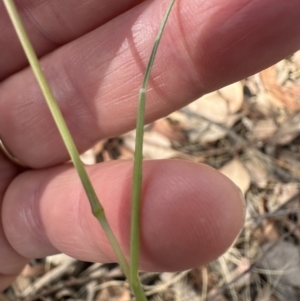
pixel 97 208
pixel 138 158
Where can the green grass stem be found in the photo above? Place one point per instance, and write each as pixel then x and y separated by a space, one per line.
pixel 131 271
pixel 138 157
pixel 96 207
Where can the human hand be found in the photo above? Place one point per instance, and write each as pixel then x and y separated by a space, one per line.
pixel 94 57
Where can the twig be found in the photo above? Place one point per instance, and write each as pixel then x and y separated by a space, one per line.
pixel 101 273
pixel 151 290
pixel 48 278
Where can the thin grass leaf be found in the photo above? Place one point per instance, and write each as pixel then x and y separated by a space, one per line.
pixel 97 209
pixel 138 157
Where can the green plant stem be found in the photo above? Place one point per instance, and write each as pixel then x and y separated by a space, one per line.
pixel 97 208
pixel 138 158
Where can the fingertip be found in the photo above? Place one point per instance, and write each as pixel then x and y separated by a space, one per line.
pixel 191 215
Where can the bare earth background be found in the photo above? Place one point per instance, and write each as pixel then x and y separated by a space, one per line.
pixel 250 131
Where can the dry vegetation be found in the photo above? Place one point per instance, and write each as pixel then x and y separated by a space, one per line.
pixel 250 132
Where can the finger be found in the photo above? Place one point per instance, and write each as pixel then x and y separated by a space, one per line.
pixel 96 78
pixel 5 281
pixel 11 263
pixel 51 24
pixel 190 213
pixel 8 171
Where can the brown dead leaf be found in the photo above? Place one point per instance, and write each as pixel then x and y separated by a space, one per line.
pixel 263 130
pixel 211 106
pixel 238 174
pixel 208 132
pixel 296 59
pixel 287 131
pixel 280 96
pixel 172 131
pixel 126 154
pixel 156 146
pixel 219 105
pixel 201 130
pixel 21 284
pixel 270 231
pixel 258 173
pixel 234 96
pixel 114 293
pixel 281 194
pixel 33 271
pixel 206 116
pixel 88 157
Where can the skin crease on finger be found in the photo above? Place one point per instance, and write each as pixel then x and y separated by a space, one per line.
pixel 215 43
pixel 190 213
pixel 51 24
